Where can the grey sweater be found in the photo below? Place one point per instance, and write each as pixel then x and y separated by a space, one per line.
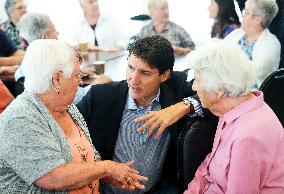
pixel 32 144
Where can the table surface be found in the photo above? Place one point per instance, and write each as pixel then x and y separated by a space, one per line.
pixel 115 64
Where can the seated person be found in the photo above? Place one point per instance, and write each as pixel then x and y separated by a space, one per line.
pixel 33 26
pixel 254 38
pixel 109 110
pixel 100 31
pixel 5 97
pixel 276 27
pixel 160 25
pixel 248 150
pixel 15 9
pixel 10 56
pixel 45 142
pixel 225 18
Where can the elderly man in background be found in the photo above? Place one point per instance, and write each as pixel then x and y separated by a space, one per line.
pixel 15 9
pixel 99 31
pixel 160 25
pixel 45 142
pixel 248 150
pixel 255 39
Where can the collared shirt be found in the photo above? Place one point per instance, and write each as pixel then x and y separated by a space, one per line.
pixel 148 154
pixel 107 33
pixel 247 48
pixel 172 32
pixel 13 33
pixel 247 154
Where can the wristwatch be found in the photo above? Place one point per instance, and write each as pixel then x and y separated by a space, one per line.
pixel 188 102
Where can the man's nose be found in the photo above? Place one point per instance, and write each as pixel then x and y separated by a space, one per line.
pixel 135 78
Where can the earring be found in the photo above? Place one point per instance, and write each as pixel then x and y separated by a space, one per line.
pixel 57 89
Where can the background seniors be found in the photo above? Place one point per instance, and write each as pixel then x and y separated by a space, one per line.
pixel 160 25
pixel 254 38
pixel 100 31
pixel 225 18
pixel 33 26
pixel 151 85
pixel 46 146
pixel 248 150
pixel 15 9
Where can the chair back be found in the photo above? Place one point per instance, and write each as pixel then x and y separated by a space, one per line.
pixel 273 91
pixel 195 142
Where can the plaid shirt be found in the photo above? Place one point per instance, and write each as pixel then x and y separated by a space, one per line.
pixel 173 32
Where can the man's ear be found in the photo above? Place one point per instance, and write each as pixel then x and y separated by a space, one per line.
pixel 166 75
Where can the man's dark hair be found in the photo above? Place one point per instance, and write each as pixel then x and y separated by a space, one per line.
pixel 154 50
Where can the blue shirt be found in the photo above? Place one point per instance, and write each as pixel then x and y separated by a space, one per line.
pixel 148 154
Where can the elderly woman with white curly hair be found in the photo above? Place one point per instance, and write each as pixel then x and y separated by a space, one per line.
pixel 248 150
pixel 255 39
pixel 45 143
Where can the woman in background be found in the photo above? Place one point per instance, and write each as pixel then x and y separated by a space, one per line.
pixel 225 18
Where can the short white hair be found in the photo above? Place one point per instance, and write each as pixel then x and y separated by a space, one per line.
pixel 153 4
pixel 223 66
pixel 44 57
pixel 33 25
pixel 265 8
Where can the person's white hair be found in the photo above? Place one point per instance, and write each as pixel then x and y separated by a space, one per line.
pixel 83 1
pixel 223 66
pixel 44 57
pixel 265 8
pixel 33 25
pixel 153 4
pixel 10 6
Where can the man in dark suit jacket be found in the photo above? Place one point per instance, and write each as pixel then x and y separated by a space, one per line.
pixel 109 110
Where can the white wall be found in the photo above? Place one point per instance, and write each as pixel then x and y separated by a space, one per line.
pixel 190 14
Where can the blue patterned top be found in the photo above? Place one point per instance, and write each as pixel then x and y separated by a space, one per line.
pixel 247 48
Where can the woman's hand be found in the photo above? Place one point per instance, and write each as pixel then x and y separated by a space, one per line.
pixel 124 176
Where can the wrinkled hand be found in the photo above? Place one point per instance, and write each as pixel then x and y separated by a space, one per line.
pixel 102 79
pixel 10 69
pixel 125 177
pixel 162 119
pixel 181 51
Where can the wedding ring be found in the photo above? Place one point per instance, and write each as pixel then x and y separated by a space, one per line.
pixel 128 179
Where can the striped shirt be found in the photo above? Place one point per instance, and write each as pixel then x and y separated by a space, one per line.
pixel 148 154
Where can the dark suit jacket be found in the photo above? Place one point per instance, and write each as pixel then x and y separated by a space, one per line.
pixel 103 107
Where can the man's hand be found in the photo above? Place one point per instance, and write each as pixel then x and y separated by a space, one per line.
pixel 162 119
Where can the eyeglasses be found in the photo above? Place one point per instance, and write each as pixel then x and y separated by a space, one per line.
pixel 21 7
pixel 246 12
